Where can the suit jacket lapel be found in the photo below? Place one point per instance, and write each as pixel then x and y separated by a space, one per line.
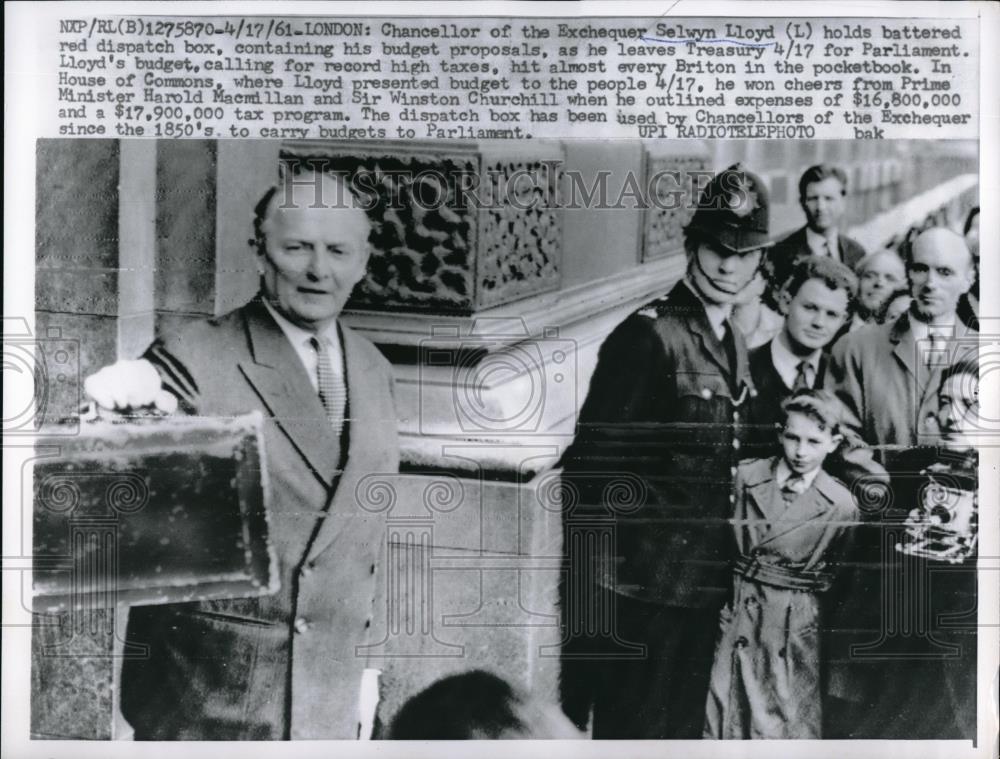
pixel 699 324
pixel 710 344
pixel 904 347
pixel 764 493
pixel 365 403
pixel 821 371
pixel 278 377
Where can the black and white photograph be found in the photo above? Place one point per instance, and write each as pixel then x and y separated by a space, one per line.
pixel 455 434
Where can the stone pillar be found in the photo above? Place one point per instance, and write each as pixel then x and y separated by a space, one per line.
pixel 206 191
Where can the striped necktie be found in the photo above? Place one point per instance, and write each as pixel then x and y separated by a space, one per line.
pixel 332 390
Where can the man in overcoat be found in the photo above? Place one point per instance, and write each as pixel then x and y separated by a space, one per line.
pixel 648 483
pixel 290 665
pixel 887 377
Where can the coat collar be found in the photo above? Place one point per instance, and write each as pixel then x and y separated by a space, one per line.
pixel 903 346
pixel 762 486
pixel 683 300
pixel 278 377
pixel 906 350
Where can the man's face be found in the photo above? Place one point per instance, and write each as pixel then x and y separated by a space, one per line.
pixel 824 204
pixel 940 272
pixel 313 259
pixel 958 411
pixel 805 443
pixel 884 273
pixel 814 315
pixel 720 274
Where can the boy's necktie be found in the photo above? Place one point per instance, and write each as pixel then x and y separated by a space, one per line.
pixel 794 486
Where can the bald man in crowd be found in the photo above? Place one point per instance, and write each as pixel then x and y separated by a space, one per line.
pixel 879 275
pixel 282 666
pixel 887 375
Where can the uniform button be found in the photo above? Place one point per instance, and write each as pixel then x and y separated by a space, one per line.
pixel 736 444
pixel 368 623
pixel 736 416
pixel 307 569
pixel 732 498
pixel 742 642
pixel 732 471
pixel 706 393
pixel 372 569
pixel 301 625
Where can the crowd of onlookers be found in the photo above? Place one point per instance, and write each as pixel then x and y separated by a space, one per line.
pixel 806 456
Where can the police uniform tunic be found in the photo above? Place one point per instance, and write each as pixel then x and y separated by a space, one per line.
pixel 658 442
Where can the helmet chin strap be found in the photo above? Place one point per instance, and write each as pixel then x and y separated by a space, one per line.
pixel 731 297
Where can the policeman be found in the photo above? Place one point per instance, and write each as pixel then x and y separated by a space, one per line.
pixel 657 443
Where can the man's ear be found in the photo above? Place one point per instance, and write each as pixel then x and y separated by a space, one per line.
pixel 835 441
pixel 782 299
pixel 970 278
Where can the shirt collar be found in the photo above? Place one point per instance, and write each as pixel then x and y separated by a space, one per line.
pixel 922 330
pixel 782 472
pixel 786 363
pixel 816 241
pixel 300 339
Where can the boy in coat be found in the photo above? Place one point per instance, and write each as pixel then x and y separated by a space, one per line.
pixel 791 520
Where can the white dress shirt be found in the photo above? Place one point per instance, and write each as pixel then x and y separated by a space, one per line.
pixel 786 363
pixel 782 472
pixel 301 342
pixel 933 355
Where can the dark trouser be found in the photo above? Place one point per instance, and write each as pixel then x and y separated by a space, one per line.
pixel 658 696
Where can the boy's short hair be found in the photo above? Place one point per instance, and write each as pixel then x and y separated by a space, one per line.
pixel 832 273
pixel 819 405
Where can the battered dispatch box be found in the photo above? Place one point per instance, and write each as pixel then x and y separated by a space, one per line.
pixel 152 511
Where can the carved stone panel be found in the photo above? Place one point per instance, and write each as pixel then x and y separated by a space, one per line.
pixel 456 228
pixel 672 183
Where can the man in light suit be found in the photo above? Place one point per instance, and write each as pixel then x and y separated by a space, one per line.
pixel 285 666
pixel 822 195
pixel 887 375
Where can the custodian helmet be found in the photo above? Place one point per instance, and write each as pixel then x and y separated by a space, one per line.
pixel 732 211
